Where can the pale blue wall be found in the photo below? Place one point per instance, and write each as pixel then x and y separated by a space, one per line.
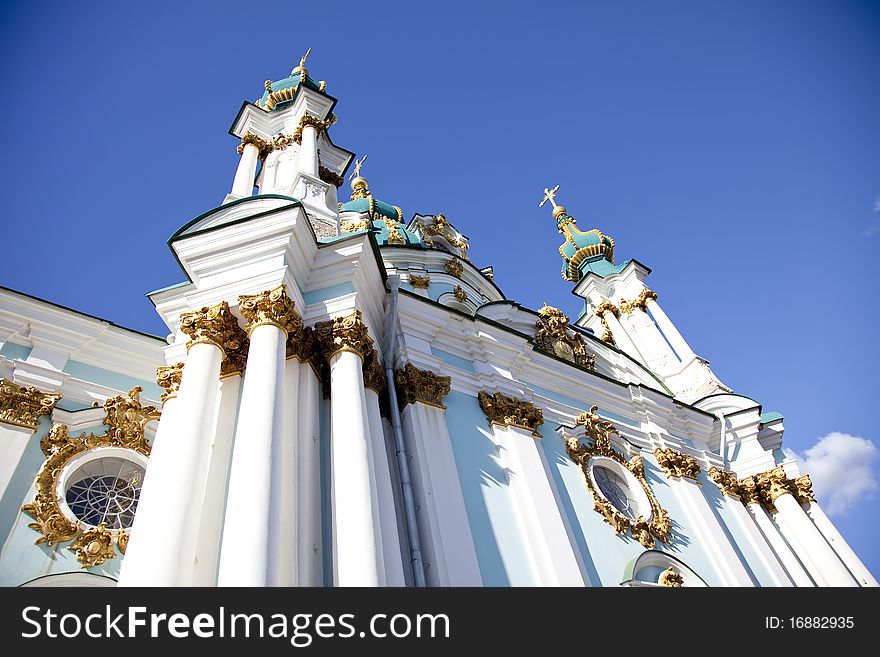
pixel 498 538
pixel 452 359
pixel 15 351
pixel 325 293
pixel 110 379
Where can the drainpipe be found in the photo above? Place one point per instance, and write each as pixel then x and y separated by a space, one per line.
pixel 409 505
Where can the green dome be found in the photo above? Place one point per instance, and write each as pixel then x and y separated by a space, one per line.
pixel 581 248
pixel 282 92
pixel 382 219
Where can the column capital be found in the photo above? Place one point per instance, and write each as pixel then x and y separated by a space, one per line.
pixel 415 385
pixel 270 308
pixel 262 146
pixel 311 121
pixel 803 489
pixel 168 377
pixel 676 464
pixel 640 302
pixel 348 333
pixel 509 411
pixel 24 405
pixel 726 481
pixel 217 325
pixel 606 307
pixel 772 484
pixel 374 373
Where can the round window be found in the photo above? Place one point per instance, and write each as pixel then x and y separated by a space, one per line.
pixel 102 487
pixel 616 491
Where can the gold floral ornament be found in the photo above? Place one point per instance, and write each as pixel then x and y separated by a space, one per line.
pixel 168 377
pixel 23 405
pixel 552 336
pixel 671 578
pixel 420 282
pixel 263 147
pixel 509 411
pixel 126 421
pixel 415 385
pixel 764 488
pixel 600 431
pixel 454 267
pixel 676 464
pixel 459 293
pixel 218 326
pixel 374 374
pixel 639 303
pixel 600 310
pixel 438 227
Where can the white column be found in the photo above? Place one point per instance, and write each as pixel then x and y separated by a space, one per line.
pixel 790 561
pixel 243 184
pixel 670 332
pixel 249 542
pixel 622 338
pixel 310 563
pixel 554 556
pixel 839 544
pixel 818 550
pixel 287 553
pixel 760 545
pixel 211 524
pixel 709 533
pixel 308 152
pixel 447 544
pixel 387 514
pixel 160 551
pixel 355 562
pixel 13 441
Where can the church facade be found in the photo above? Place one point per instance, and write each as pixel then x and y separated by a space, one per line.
pixel 346 399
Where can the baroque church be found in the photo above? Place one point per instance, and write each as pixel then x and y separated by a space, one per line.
pixel 346 399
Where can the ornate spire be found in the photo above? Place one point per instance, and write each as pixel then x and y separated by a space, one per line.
pixel 301 69
pixel 359 186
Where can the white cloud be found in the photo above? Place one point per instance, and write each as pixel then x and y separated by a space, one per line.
pixel 874 228
pixel 841 467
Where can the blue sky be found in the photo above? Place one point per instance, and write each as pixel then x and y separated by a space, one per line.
pixel 733 147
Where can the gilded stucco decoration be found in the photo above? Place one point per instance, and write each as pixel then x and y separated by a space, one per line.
pixel 415 385
pixel 270 308
pixel 671 578
pixel 454 267
pixel 218 326
pixel 168 377
pixel 312 121
pixel 600 310
pixel 418 281
pixel 552 336
pixel 263 147
pixel 600 432
pixel 459 293
pixel 374 373
pixel 348 333
pixel 23 406
pixel 509 411
pixel 639 303
pixel 676 464
pixel 438 226
pixel 126 420
pixel 765 487
pixel 330 177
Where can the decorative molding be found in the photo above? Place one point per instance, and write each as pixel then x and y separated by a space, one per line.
pixel 509 411
pixel 302 345
pixel 454 267
pixel 601 431
pixel 552 336
pixel 126 420
pixel 606 307
pixel 459 293
pixel 440 227
pixel 374 373
pixel 270 308
pixel 23 406
pixel 420 282
pixel 415 385
pixel 676 464
pixel 671 578
pixel 639 303
pixel 313 121
pixel 218 326
pixel 347 333
pixel 330 177
pixel 765 487
pixel 168 377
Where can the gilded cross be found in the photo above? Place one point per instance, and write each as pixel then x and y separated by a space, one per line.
pixel 302 62
pixel 549 195
pixel 357 167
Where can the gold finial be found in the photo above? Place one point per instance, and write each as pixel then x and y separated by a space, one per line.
pixel 302 65
pixel 357 167
pixel 550 195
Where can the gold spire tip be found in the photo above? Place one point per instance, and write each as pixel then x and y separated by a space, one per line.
pixel 302 65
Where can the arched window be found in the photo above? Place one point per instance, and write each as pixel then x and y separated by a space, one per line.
pixel 655 568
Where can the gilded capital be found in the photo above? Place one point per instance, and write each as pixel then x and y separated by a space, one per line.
pixel 311 121
pixel 330 177
pixel 168 377
pixel 302 345
pixel 270 308
pixel 726 481
pixel 676 464
pixel 415 385
pixel 772 484
pixel 24 405
pixel 347 333
pixel 218 326
pixel 606 307
pixel 374 373
pixel 639 303
pixel 803 489
pixel 509 411
pixel 262 146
